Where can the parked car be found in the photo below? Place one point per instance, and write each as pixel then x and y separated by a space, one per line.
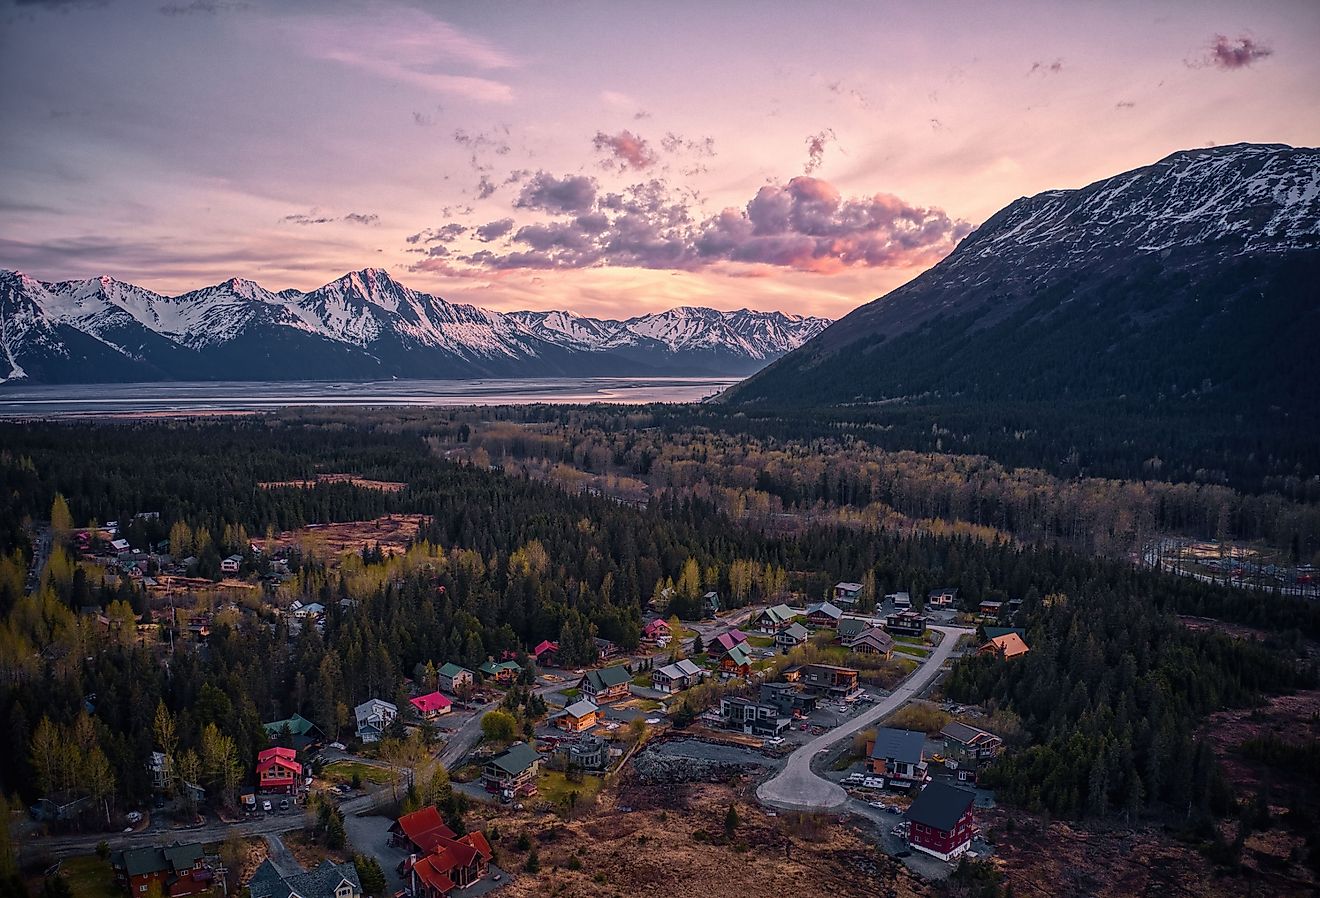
pixel 266 806
pixel 284 804
pixel 134 817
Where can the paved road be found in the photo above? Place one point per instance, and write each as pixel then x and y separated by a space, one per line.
pixel 798 788
pixel 69 846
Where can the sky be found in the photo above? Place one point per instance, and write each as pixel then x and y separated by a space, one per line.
pixel 607 158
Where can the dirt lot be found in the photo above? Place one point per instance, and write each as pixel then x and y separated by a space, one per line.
pixel 385 486
pixel 672 843
pixel 1294 718
pixel 1040 858
pixel 392 533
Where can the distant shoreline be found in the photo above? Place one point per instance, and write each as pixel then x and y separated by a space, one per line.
pixel 214 398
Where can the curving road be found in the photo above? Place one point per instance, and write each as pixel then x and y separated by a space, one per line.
pixel 797 787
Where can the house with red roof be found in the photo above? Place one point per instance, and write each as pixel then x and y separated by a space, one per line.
pixel 431 705
pixel 656 630
pixel 727 640
pixel 545 651
pixel 439 860
pixel 279 771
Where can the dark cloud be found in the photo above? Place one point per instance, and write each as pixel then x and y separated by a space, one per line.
pixel 423 120
pixel 493 230
pixel 804 224
pixel 852 93
pixel 641 114
pixel 624 150
pixel 482 144
pixel 571 193
pixel 485 187
pixel 444 234
pixel 1124 104
pixel 1046 68
pixel 677 143
pixel 204 7
pixel 316 218
pixel 816 144
pixel 1236 54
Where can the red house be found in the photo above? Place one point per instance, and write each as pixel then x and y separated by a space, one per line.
pixel 278 771
pixel 440 861
pixel 940 820
pixel 545 650
pixel 656 630
pixel 431 705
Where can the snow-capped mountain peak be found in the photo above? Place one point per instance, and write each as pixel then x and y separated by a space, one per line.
pixel 363 324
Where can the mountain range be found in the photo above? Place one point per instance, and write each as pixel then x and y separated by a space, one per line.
pixel 1191 282
pixel 363 326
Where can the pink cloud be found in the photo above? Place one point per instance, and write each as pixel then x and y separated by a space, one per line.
pixel 1236 54
pixel 624 150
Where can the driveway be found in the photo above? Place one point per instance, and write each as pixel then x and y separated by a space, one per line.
pixel 798 788
pixel 371 836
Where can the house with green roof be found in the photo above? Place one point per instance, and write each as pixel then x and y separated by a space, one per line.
pixel 451 678
pixel 774 619
pixel 513 771
pixel 330 880
pixel 606 684
pixel 501 671
pixel 301 732
pixel 737 661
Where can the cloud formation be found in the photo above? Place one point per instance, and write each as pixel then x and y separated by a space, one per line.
pixel 571 193
pixel 816 144
pixel 624 150
pixel 316 218
pixel 1046 68
pixel 1236 54
pixel 804 224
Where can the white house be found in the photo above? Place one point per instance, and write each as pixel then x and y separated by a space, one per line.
pixel 231 564
pixel 373 716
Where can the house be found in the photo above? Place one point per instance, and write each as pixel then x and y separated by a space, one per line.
pixel 231 564
pixel 900 600
pixel 969 747
pixel 824 615
pixel 431 705
pixel 774 619
pixel 944 597
pixel 120 546
pixel 302 732
pixel 452 678
pixel 792 673
pixel 604 648
pixel 906 623
pixel 545 651
pixel 162 774
pixel 676 677
pixel 512 771
pixel 872 641
pixel 793 635
pixel 940 820
pixel 60 806
pixel 586 751
pixel 312 610
pixel 753 718
pixel 1010 645
pixel 440 861
pixel 656 630
pixel 504 672
pixel 898 756
pixel 849 627
pixel 710 604
pixel 577 717
pixel 330 880
pixel 279 771
pixel 177 870
pixel 727 640
pixel 737 661
pixel 606 684
pixel 847 593
pixel 791 701
pixel 990 609
pixel 827 679
pixel 373 716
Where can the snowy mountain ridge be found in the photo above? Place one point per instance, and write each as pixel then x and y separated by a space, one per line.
pixel 362 325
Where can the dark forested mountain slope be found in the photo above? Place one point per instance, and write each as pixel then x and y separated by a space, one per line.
pixel 1193 280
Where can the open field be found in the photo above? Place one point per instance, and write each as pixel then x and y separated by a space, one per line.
pixel 343 771
pixel 392 532
pixel 671 842
pixel 384 486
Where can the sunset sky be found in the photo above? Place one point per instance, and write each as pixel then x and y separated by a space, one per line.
pixel 607 158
